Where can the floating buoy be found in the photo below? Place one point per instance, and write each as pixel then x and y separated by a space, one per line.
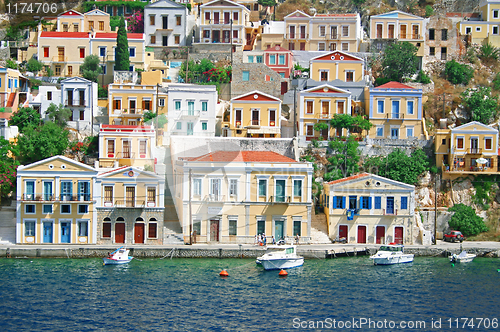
pixel 224 273
pixel 283 273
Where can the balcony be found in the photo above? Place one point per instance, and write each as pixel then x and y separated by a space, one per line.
pixel 390 212
pixel 190 114
pixel 255 123
pixel 60 59
pixel 215 198
pixel 128 111
pixel 280 199
pixel 334 36
pixel 128 203
pixel 410 36
pixel 323 116
pixel 72 102
pixel 297 36
pixel 395 116
pixel 475 151
pixel 39 197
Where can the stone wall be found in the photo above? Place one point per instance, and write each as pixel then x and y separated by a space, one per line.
pixel 443 217
pixel 382 147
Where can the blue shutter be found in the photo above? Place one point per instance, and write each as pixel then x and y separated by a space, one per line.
pixel 404 203
pixel 327 201
pixel 378 202
pixel 343 202
pixel 369 202
pixel 334 202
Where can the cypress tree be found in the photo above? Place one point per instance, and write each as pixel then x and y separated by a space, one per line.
pixel 122 54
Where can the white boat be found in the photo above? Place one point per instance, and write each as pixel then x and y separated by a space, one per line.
pixel 391 254
pixel 119 256
pixel 279 257
pixel 463 257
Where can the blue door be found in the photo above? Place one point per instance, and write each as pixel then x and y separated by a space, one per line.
pixel 395 109
pixel 280 190
pixel 278 229
pixel 190 126
pixel 47 232
pixel 65 232
pixel 394 133
pixel 390 205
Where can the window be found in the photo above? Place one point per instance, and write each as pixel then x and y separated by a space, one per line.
pixel 487 143
pixel 103 67
pixel 460 143
pixel 378 202
pixel 151 195
pixel 131 51
pixel 235 18
pixel 345 47
pixel 65 208
pixel 297 188
pixel 204 106
pixel 233 227
pixel 272 59
pixel 409 132
pixel 380 131
pixel 177 39
pixel 45 52
pixel 349 76
pixel 366 202
pixel 142 147
pixel 47 209
pixel 83 190
pixel 83 208
pixel 321 46
pixel 178 125
pixel 30 209
pixel 162 102
pixel 322 31
pixel 75 28
pixel 152 39
pixel 246 76
pixel 309 107
pixel 323 74
pixel 262 187
pixel 404 203
pixel 66 190
pixel 108 194
pixel 468 30
pixel 380 107
pixel 83 228
pixel 250 59
pixel 178 20
pixel 444 34
pixel 106 229
pixel 495 13
pixel 197 187
pixel 204 126
pixel 91 25
pixel 197 226
pixel 443 53
pixel 152 230
pixel 82 53
pixel 233 187
pixel 258 59
pixel 431 34
pixel 101 25
pixel 49 95
pixel 29 228
pixel 177 104
pixel 338 202
pixel 151 19
pixel 309 130
pixel 215 188
pixel 58 70
pixel 478 29
pixel 495 30
pixel 65 28
pixel 102 51
pixel 432 51
pixel 281 59
pixel 409 108
pixel 272 118
pixel 111 146
pixel 345 31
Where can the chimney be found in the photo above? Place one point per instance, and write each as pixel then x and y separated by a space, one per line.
pixel 443 123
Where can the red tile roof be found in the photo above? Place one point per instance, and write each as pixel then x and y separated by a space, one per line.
pixel 335 15
pixel 57 34
pixel 125 127
pixel 462 14
pixel 353 177
pixel 112 35
pixel 243 156
pixel 394 85
pixel 114 170
pixel 277 49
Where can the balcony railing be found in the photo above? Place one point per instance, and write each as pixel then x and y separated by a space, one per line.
pixel 323 115
pixel 330 36
pixel 395 116
pixel 410 36
pixel 190 113
pixel 475 151
pixel 393 212
pixel 129 203
pixel 126 111
pixel 38 197
pixel 297 36
pixel 255 122
pixel 59 58
pixel 125 155
pixel 215 198
pixel 280 199
pixel 72 102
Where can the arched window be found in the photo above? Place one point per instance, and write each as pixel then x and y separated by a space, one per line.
pixel 106 227
pixel 152 228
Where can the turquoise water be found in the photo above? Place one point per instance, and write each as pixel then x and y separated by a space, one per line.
pixel 189 295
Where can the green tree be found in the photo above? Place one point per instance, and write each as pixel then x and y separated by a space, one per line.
pixel 11 64
pixel 466 220
pixel 422 78
pixel 26 116
pixel 122 54
pixel 102 92
pixel 320 126
pixel 351 123
pixel 480 104
pixel 150 119
pixel 429 11
pixel 8 167
pixel 91 68
pixel 458 73
pixel 343 158
pixel 399 61
pixel 268 3
pixel 34 65
pixel 42 142
pixel 398 166
pixel 58 114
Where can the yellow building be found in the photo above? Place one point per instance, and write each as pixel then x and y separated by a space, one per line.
pixel 237 195
pixel 368 208
pixel 471 148
pixel 13 91
pixel 55 202
pixel 395 110
pixel 337 65
pixel 397 26
pixel 255 114
pixel 485 29
pixel 318 105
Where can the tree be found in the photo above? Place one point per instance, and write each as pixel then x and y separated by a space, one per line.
pixel 268 3
pixel 25 117
pixel 351 123
pixel 398 166
pixel 122 54
pixel 480 104
pixel 466 220
pixel 58 114
pixel 34 65
pixel 429 11
pixel 458 73
pixel 150 119
pixel 11 64
pixel 399 61
pixel 343 158
pixel 42 142
pixel 91 67
pixel 319 127
pixel 8 167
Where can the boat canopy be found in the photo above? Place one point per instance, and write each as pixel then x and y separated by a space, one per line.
pixel 391 248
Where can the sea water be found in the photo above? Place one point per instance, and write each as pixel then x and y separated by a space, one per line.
pixel 189 295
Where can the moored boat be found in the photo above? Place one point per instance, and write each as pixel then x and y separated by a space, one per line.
pixel 463 257
pixel 119 256
pixel 391 254
pixel 279 257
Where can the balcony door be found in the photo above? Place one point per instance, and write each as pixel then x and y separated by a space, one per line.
pixel 190 127
pixel 215 36
pixel 279 229
pixel 255 117
pixel 391 31
pixel 403 32
pixel 130 196
pixel 65 232
pixel 280 190
pixel 474 145
pixel 390 205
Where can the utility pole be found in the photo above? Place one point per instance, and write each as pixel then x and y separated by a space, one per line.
pixel 444 113
pixel 187 67
pixel 231 37
pixel 190 212
pixel 294 112
pixel 435 208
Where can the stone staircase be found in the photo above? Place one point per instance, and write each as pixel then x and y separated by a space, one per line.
pixel 319 229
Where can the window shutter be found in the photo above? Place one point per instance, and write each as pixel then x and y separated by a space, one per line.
pixel 334 202
pixel 369 203
pixel 378 202
pixel 343 202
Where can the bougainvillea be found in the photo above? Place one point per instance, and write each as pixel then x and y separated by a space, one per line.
pixel 135 23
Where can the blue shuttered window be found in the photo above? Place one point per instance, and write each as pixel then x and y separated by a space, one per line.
pixel 404 203
pixel 378 202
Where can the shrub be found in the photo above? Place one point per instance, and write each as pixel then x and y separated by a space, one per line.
pixel 423 78
pixel 429 11
pixel 488 53
pixel 458 73
pixel 11 64
pixel 496 82
pixel 466 220
pixel 381 80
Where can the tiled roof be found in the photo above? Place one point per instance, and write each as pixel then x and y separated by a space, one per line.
pixel 125 127
pixel 112 35
pixel 277 49
pixel 394 85
pixel 335 15
pixel 114 170
pixel 462 14
pixel 243 156
pixel 353 177
pixel 57 34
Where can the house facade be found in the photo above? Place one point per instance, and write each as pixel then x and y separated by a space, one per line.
pixel 395 110
pixel 80 96
pixel 236 195
pixel 337 65
pixel 127 102
pixel 368 208
pixel 13 91
pixel 484 29
pixel 55 202
pixel 165 24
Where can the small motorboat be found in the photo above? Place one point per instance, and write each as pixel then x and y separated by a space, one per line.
pixel 119 256
pixel 279 257
pixel 391 254
pixel 463 257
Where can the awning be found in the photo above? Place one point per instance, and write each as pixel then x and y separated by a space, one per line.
pixel 264 131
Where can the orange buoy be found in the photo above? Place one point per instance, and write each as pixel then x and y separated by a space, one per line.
pixel 224 273
pixel 283 273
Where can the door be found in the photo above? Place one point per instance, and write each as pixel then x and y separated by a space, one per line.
pixel 215 36
pixel 403 32
pixel 325 109
pixel 380 235
pixel 391 31
pixel 302 32
pixel 164 40
pixel 280 190
pixel 278 229
pixel 132 106
pixel 139 233
pixel 361 234
pixel 165 22
pixel 82 97
pixel 120 232
pixel 191 108
pixel 395 109
pixel 255 117
pixel 394 133
pixel 225 35
pixel 69 102
pixel 379 31
pixel 190 126
pixel 415 32
pixel 130 196
pixel 214 230
pixel 284 87
pixel 47 232
pixel 47 191
pixel 333 32
pixel 65 232
pixel 226 18
pixel 343 231
pixel 292 32
pixel 474 145
pixel 398 235
pixel 60 53
pixel 216 17
pixel 390 205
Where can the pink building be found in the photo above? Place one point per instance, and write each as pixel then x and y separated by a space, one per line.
pixel 280 60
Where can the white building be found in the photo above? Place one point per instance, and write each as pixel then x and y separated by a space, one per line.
pixel 167 23
pixel 46 95
pixel 192 109
pixel 80 96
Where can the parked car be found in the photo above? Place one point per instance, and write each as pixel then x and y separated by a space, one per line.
pixel 453 236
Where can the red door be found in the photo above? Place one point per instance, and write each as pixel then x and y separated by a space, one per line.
pixel 361 234
pixel 214 230
pixel 284 87
pixel 120 232
pixel 343 231
pixel 398 235
pixel 139 233
pixel 380 235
